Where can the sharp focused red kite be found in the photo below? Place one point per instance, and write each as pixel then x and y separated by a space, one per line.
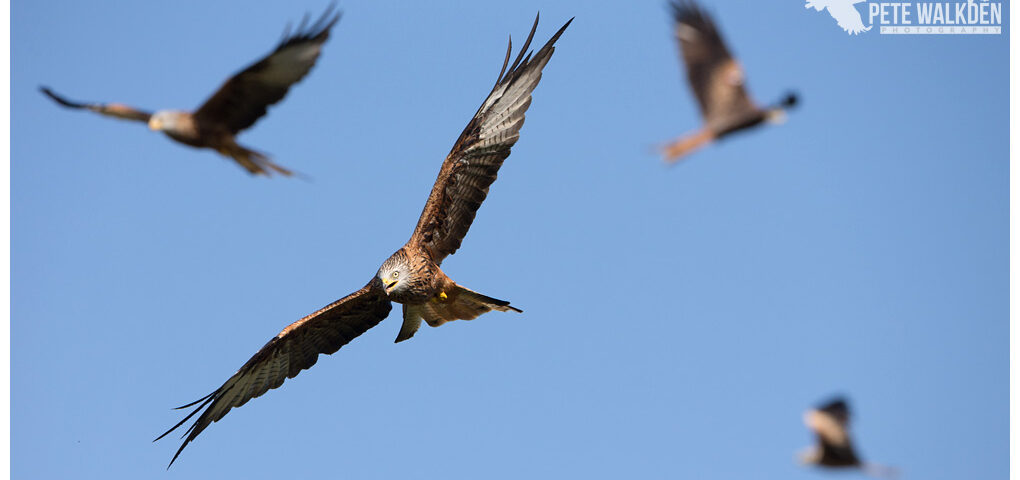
pixel 411 276
pixel 717 81
pixel 239 103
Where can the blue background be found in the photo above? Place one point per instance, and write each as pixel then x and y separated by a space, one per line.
pixel 677 321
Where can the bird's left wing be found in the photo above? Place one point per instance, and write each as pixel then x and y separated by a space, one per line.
pixel 472 164
pixel 116 110
pixel 296 348
pixel 243 99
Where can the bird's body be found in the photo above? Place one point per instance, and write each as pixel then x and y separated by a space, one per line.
pixel 412 275
pixel 180 126
pixel 183 128
pixel 833 448
pixel 717 81
pixel 239 102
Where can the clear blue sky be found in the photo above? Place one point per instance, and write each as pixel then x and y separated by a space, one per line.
pixel 676 322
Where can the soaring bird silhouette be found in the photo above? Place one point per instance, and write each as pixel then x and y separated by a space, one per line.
pixel 717 81
pixel 411 276
pixel 847 17
pixel 834 449
pixel 238 104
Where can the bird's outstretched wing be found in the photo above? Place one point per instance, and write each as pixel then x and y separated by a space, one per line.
pixel 716 79
pixel 109 109
pixel 296 348
pixel 472 164
pixel 243 99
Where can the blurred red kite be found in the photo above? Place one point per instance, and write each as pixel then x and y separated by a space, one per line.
pixel 239 103
pixel 717 81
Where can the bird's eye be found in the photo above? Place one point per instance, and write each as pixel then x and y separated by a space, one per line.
pixel 396 273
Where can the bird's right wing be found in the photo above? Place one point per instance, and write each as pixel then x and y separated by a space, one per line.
pixel 244 98
pixel 716 79
pixel 475 159
pixel 117 110
pixel 296 348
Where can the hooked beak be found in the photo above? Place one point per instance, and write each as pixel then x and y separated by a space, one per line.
pixel 388 284
pixel 155 124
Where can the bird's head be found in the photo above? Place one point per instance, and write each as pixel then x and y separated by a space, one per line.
pixel 777 113
pixel 790 100
pixel 394 273
pixel 166 120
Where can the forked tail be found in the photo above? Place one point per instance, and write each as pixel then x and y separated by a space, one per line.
pixel 673 151
pixel 458 304
pixel 256 163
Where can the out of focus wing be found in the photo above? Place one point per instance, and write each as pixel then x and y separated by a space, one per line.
pixel 829 430
pixel 116 110
pixel 472 164
pixel 243 99
pixel 716 79
pixel 296 348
